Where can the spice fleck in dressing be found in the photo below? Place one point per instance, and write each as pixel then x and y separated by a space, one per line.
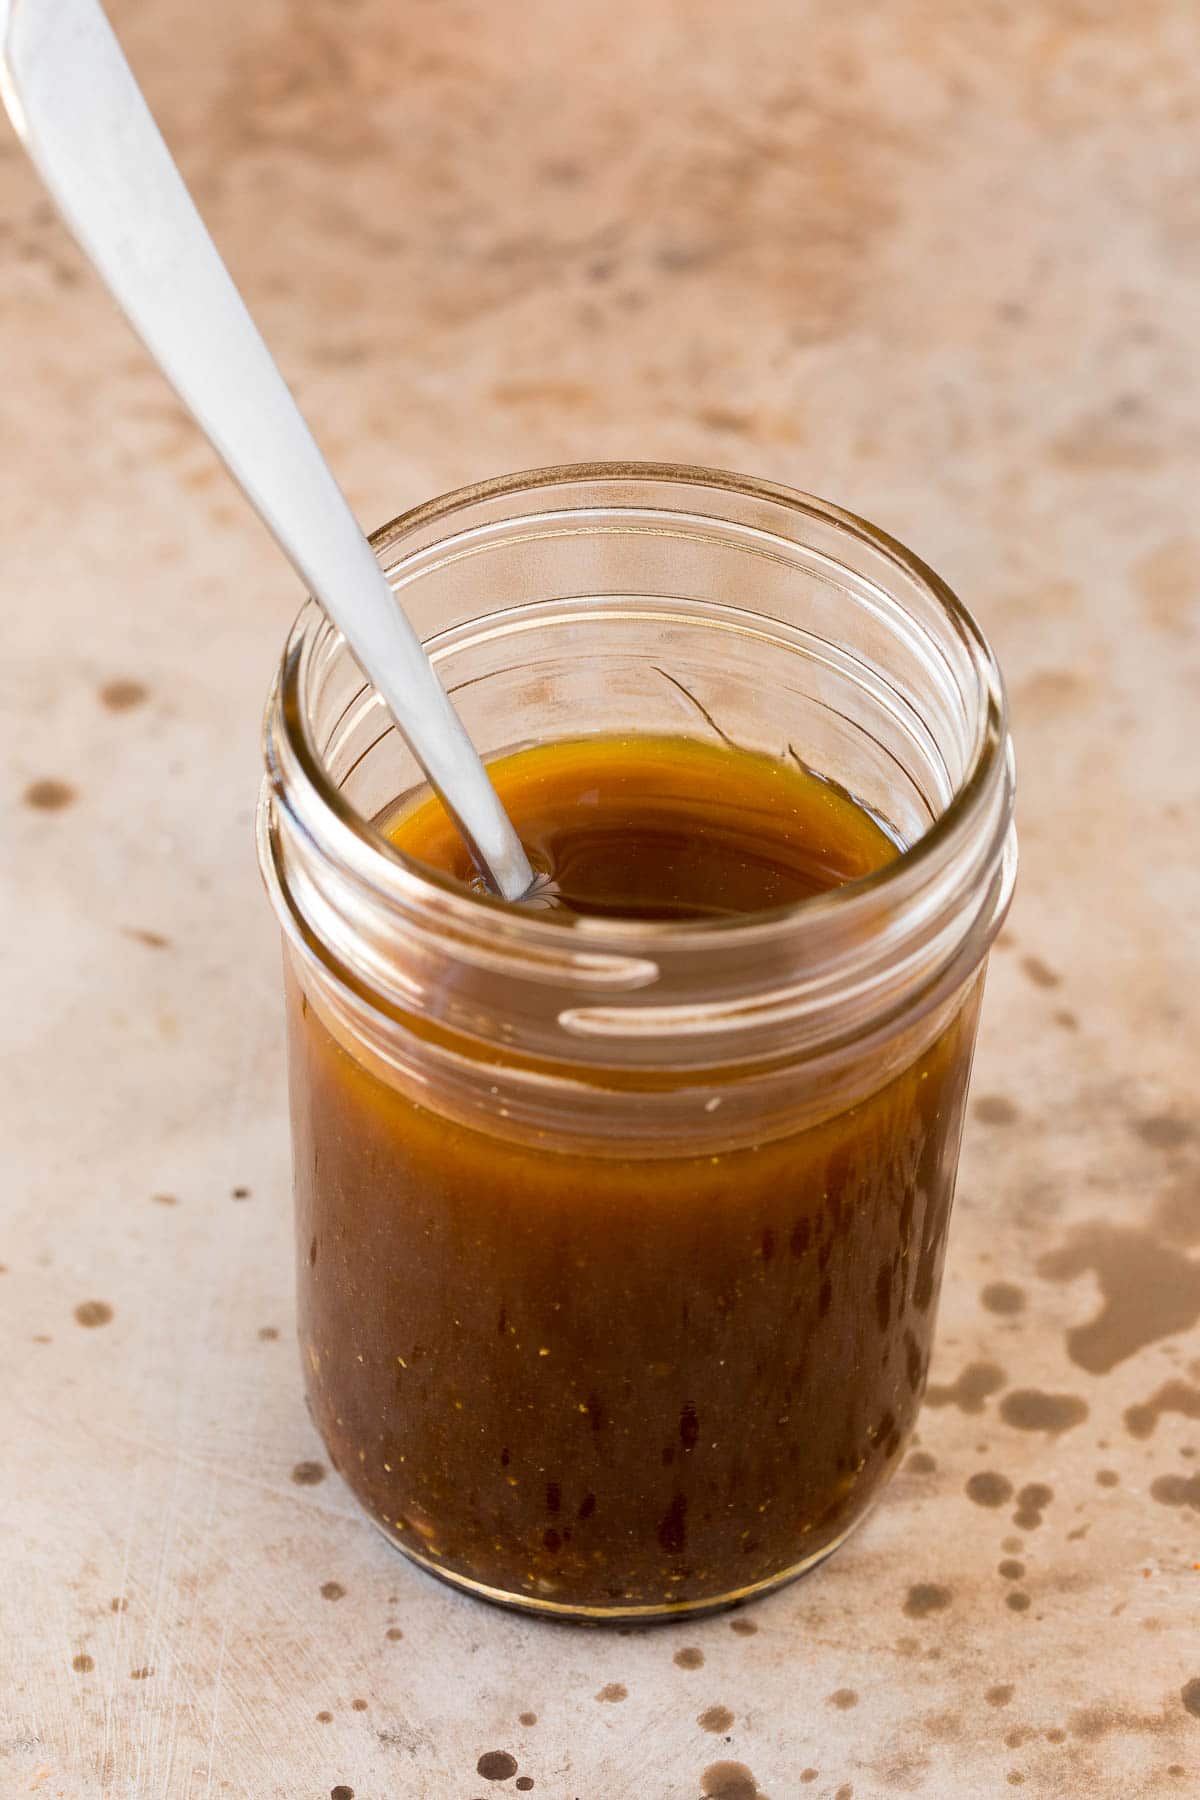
pixel 606 1382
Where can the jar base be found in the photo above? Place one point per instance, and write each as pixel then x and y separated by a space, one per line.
pixel 660 1614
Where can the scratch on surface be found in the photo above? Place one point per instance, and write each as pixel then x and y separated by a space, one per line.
pixel 701 709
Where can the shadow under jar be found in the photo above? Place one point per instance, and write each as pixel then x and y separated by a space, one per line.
pixel 619 1242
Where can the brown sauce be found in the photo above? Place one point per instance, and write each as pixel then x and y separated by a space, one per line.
pixel 621 1381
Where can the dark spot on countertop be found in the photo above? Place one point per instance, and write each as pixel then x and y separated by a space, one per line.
pixel 921 1463
pixel 1177 1490
pixel 141 1674
pixel 83 1663
pixel 843 1698
pixel 341 1792
pixel 91 1313
pixel 308 1474
pixel 1015 1778
pixel 1189 1693
pixel 845 1792
pixel 972 1387
pixel 925 1597
pixel 332 1590
pixel 165 1199
pixel 1040 973
pixel 523 1783
pixel 118 1604
pixel 1107 1478
pixel 1028 1409
pixel 1002 1297
pixel 1000 1694
pixel 496 1765
pixel 268 1333
pixel 1017 1601
pixel 1010 1569
pixel 393 1634
pixel 688 1659
pixel 613 1691
pixel 152 940
pixel 49 795
pixel 358 1705
pixel 527 1718
pixel 807 1775
pixel 715 1718
pixel 122 694
pixel 240 1193
pixel 324 1718
pixel 1150 1291
pixel 987 1488
pixel 1065 1019
pixel 729 1781
pixel 1162 1131
pixel 994 1109
pixel 1032 1501
pixel 743 1627
pixel 1173 1397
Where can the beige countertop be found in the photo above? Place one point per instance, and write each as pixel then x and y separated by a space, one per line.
pixel 937 261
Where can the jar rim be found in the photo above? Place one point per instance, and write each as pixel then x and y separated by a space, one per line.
pixel 385 868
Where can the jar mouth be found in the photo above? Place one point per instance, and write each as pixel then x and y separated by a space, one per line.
pixel 294 758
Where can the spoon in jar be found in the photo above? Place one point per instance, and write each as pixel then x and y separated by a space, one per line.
pixel 83 121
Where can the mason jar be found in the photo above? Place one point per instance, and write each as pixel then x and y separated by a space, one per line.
pixel 619 1243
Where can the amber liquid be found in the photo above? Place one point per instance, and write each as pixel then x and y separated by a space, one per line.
pixel 625 1383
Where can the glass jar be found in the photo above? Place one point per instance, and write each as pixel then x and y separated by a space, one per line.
pixel 619 1243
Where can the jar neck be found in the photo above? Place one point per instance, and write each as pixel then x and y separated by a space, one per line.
pixel 396 949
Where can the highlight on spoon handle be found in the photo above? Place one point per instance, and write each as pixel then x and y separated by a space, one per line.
pixel 82 118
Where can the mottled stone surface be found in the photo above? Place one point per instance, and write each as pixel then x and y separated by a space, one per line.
pixel 936 260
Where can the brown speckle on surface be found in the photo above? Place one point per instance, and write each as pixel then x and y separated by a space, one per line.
pixel 807 1775
pixel 527 1718
pixel 139 934
pixel 82 1664
pixel 91 1313
pixel 1003 1298
pixel 1017 1601
pixel 743 1627
pixel 715 1718
pixel 308 1474
pixel 921 1463
pixel 1032 1501
pixel 1028 1409
pixel 1173 1396
pixel 1177 1490
pixel 926 1597
pixel 688 1659
pixel 341 1792
pixel 729 1781
pixel 994 1109
pixel 268 1333
pixel 1150 1292
pixel 977 1382
pixel 1000 1693
pixel 523 1783
pixel 141 1674
pixel 987 1488
pixel 239 1193
pixel 49 795
pixel 358 1705
pixel 1107 1478
pixel 1040 973
pixel 1163 1131
pixel 612 1692
pixel 393 1634
pixel 122 694
pixel 843 1698
pixel 496 1765
pixel 332 1590
pixel 118 1604
pixel 845 1792
pixel 165 1199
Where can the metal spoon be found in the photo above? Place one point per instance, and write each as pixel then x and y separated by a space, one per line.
pixel 82 118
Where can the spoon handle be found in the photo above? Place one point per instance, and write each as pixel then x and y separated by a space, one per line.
pixel 82 118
